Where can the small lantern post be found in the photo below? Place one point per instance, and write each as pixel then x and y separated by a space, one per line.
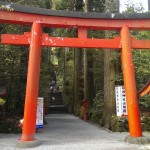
pixel 84 104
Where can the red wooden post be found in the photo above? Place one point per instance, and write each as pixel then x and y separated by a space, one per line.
pixel 30 110
pixel 130 84
pixel 84 115
pixel 84 104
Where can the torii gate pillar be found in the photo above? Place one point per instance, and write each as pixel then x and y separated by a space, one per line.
pixel 130 84
pixel 135 136
pixel 30 110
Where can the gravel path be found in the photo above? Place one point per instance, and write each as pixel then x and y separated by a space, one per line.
pixel 67 132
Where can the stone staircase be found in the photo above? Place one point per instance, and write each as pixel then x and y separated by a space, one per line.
pixel 56 104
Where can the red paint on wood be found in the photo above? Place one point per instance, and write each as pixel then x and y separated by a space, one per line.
pixel 84 42
pixel 68 22
pixel 32 86
pixel 130 84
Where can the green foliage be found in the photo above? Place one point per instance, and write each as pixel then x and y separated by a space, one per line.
pixel 6 7
pixel 13 68
pixel 2 101
pixel 97 109
pixel 81 112
pixel 10 125
pixel 63 4
pixel 119 79
pixel 13 65
pixel 119 124
pixel 47 70
pixel 97 5
pixel 98 71
pixel 133 8
pixel 142 67
pixel 145 101
pixel 111 6
pixel 35 3
pixel 67 81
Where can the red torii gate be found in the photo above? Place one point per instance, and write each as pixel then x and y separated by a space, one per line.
pixel 39 18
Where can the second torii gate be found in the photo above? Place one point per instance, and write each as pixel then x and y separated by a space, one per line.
pixel 40 18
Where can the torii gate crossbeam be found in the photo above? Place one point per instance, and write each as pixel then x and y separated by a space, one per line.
pixel 39 18
pixel 74 42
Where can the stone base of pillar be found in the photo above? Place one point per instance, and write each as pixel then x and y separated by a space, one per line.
pixel 28 144
pixel 137 140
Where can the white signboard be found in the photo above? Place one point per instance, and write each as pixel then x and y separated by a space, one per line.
pixel 121 107
pixel 40 108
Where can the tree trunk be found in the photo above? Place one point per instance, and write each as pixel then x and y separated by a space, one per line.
pixel 78 70
pixel 109 72
pixel 85 59
pixel 64 71
pixel 109 86
pixel 85 78
pixel 88 66
pixel 148 4
pixel 77 80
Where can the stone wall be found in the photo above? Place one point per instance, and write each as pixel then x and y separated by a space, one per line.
pixel 120 124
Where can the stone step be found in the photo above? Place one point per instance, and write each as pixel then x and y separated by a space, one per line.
pixel 54 109
pixel 56 103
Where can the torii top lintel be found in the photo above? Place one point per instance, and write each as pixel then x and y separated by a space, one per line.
pixel 26 15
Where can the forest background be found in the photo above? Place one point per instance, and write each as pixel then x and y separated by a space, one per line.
pixel 80 73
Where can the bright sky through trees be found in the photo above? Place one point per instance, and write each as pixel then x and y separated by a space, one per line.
pixel 143 2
